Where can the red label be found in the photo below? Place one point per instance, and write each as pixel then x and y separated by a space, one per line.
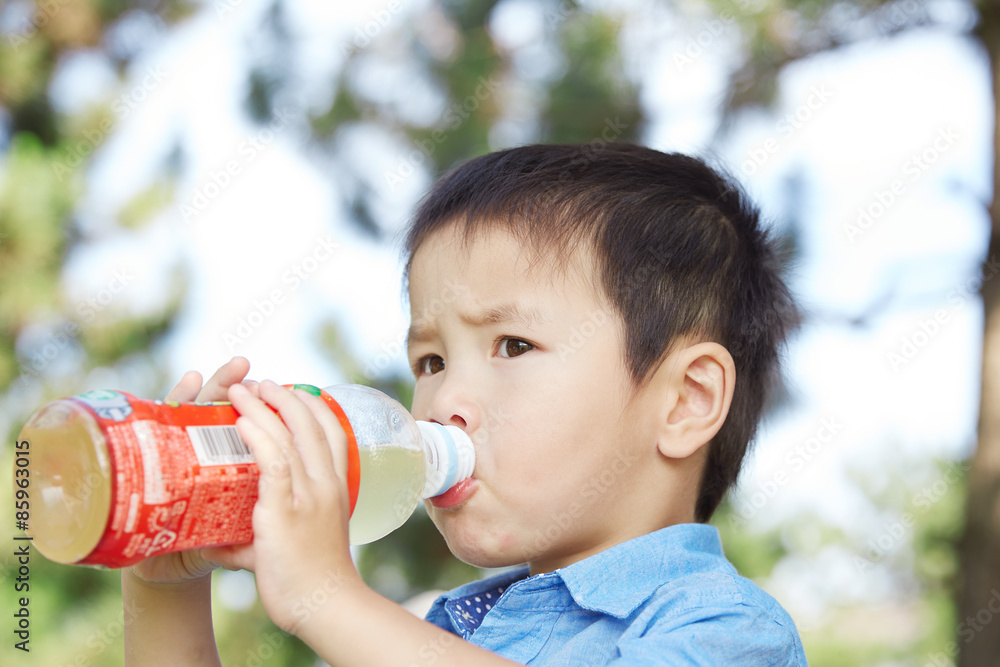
pixel 181 476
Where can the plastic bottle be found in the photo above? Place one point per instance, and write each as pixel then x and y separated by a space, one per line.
pixel 112 479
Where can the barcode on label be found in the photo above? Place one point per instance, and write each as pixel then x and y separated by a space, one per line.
pixel 218 445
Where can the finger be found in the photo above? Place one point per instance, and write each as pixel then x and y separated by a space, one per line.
pixel 274 435
pixel 187 389
pixel 274 487
pixel 232 557
pixel 323 462
pixel 230 373
pixel 196 563
pixel 309 438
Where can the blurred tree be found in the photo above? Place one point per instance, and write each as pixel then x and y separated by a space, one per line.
pixel 564 83
pixel 980 546
pixel 47 340
pixel 778 33
pixel 42 181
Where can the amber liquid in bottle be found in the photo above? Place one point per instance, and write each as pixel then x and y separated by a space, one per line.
pixel 69 486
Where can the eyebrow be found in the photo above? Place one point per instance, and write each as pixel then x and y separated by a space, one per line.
pixel 502 313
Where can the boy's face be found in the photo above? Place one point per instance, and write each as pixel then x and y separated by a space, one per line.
pixel 529 362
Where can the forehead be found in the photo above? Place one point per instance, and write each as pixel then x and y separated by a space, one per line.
pixel 497 258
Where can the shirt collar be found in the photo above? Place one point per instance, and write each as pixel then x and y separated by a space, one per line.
pixel 445 610
pixel 616 581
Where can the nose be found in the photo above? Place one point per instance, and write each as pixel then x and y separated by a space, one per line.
pixel 454 402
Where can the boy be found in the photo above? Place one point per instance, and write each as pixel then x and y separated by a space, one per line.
pixel 607 301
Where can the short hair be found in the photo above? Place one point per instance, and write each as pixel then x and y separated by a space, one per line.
pixel 680 251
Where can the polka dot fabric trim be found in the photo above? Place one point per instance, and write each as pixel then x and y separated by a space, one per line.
pixel 470 610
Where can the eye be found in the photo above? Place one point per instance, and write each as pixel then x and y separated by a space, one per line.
pixel 513 347
pixel 430 365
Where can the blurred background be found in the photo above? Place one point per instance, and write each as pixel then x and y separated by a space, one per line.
pixel 183 181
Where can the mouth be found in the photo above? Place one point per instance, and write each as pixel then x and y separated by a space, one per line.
pixel 456 495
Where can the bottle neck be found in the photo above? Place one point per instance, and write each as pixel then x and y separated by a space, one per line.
pixel 449 454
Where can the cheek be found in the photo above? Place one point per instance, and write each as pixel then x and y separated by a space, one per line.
pixel 541 460
pixel 423 395
pixel 418 408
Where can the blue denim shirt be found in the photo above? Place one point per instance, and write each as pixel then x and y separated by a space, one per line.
pixel 666 598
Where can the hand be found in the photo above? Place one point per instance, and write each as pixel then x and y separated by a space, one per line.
pixel 176 568
pixel 300 551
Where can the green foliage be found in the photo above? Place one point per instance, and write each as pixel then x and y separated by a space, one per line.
pixel 775 34
pixel 411 560
pixel 76 613
pixel 593 100
pixel 20 62
pixel 753 554
pixel 590 99
pixel 146 205
pixel 342 111
pixel 34 207
pixel 919 562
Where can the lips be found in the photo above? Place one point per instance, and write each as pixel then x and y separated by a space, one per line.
pixel 456 495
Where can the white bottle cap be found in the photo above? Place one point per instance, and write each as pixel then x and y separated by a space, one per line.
pixel 450 457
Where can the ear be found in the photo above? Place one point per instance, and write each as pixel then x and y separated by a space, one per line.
pixel 699 381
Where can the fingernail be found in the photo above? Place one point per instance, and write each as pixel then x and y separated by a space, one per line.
pixel 301 393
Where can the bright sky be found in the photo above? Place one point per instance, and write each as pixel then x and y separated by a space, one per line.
pixel 899 129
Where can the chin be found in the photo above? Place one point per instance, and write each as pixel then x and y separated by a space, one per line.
pixel 486 549
pixel 479 558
